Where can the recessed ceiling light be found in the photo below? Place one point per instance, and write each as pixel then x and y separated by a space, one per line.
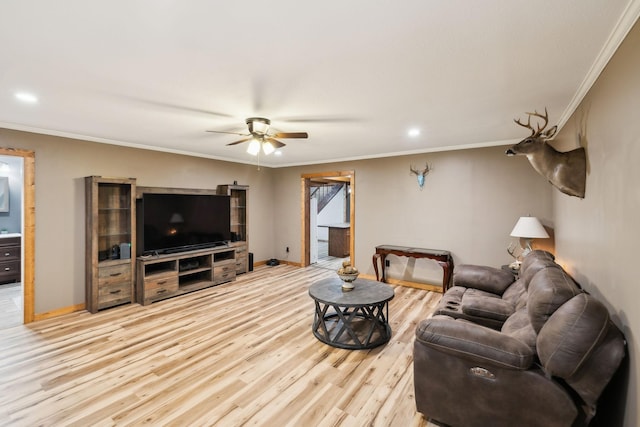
pixel 27 97
pixel 413 132
pixel 278 153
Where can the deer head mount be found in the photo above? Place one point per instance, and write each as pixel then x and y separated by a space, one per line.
pixel 420 174
pixel 566 171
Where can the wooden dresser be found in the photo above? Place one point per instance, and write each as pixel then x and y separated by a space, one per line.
pixel 10 256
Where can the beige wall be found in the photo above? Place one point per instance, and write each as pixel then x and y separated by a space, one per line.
pixel 61 165
pixel 470 202
pixel 597 238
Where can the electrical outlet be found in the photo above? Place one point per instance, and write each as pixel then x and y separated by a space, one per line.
pixel 387 263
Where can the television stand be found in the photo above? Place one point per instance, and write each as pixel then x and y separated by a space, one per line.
pixel 168 275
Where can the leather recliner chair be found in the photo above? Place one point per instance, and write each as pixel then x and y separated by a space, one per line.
pixel 546 366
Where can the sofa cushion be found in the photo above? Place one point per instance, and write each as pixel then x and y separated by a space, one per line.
pixel 514 293
pixel 570 335
pixel 489 279
pixel 451 305
pixel 534 262
pixel 548 290
pixel 518 326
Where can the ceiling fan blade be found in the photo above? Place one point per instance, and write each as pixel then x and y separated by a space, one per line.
pixel 319 119
pixel 230 133
pixel 240 141
pixel 178 107
pixel 291 135
pixel 275 142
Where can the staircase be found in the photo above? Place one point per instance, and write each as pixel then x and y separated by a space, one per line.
pixel 325 193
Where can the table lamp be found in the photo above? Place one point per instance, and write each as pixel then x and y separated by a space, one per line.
pixel 529 228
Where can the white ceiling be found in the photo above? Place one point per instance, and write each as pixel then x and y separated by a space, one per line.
pixel 356 75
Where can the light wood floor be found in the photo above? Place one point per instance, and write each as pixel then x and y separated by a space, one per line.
pixel 10 305
pixel 325 260
pixel 237 354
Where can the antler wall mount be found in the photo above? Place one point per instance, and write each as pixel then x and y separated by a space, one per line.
pixel 420 173
pixel 567 171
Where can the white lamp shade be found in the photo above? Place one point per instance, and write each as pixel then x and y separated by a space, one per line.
pixel 529 227
pixel 268 148
pixel 254 147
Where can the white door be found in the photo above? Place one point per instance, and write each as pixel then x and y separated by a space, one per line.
pixel 313 230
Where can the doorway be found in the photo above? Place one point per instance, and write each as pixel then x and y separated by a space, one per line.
pixel 26 231
pixel 335 180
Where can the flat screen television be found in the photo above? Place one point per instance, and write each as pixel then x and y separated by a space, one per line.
pixel 170 223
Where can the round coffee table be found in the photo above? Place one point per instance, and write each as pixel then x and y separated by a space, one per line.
pixel 356 319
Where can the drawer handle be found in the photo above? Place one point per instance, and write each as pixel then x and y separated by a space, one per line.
pixel 162 282
pixel 116 292
pixel 7 269
pixel 115 274
pixel 7 254
pixel 161 291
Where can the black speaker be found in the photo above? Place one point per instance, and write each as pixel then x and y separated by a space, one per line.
pixel 250 261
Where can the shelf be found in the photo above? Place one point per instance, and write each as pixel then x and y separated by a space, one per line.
pixel 193 271
pixel 105 236
pixel 194 286
pixel 159 273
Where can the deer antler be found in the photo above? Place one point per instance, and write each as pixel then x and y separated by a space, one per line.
pixel 424 171
pixel 512 249
pixel 535 132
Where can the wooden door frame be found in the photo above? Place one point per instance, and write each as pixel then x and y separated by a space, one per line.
pixel 28 228
pixel 305 256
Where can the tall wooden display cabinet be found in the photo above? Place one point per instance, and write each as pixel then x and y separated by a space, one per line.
pixel 239 219
pixel 110 241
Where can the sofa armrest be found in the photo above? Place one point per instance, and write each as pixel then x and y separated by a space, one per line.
pixel 489 279
pixel 486 307
pixel 465 339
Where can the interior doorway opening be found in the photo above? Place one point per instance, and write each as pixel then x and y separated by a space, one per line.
pixel 328 238
pixel 26 184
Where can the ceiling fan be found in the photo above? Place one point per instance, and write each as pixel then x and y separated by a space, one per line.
pixel 261 138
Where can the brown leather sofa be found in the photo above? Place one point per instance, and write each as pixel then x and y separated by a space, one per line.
pixel 536 351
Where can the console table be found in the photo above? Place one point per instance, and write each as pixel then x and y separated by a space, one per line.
pixel 444 259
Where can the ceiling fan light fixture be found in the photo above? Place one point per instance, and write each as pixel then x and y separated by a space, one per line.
pixel 254 147
pixel 268 148
pixel 258 125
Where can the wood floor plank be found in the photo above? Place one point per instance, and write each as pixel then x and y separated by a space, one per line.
pixel 237 354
